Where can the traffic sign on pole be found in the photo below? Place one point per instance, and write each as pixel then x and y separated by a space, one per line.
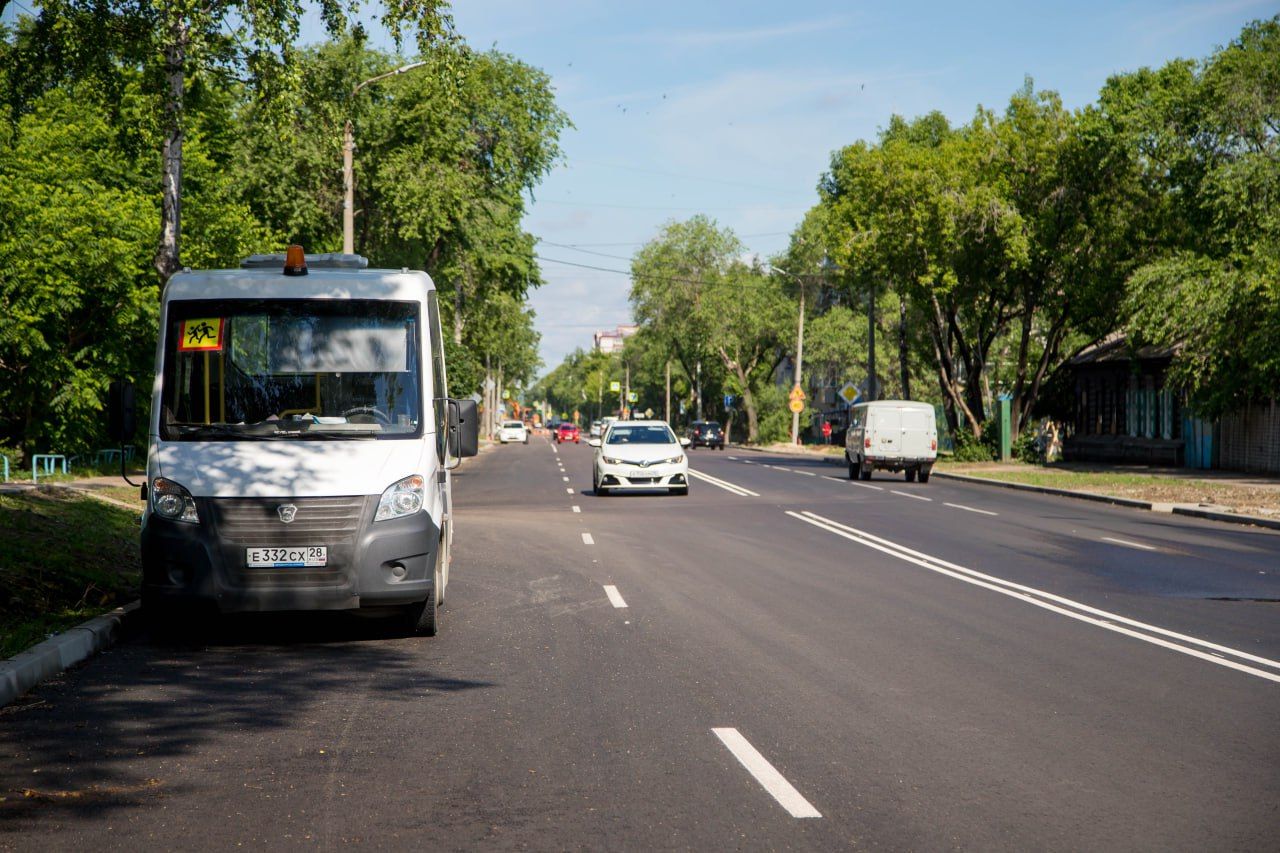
pixel 849 392
pixel 797 393
pixel 796 406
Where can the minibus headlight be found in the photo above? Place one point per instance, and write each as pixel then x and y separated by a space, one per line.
pixel 403 498
pixel 170 500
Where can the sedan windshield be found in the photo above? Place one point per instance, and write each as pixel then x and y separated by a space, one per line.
pixel 641 435
pixel 254 370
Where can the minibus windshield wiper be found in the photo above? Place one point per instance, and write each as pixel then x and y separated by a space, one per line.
pixel 239 432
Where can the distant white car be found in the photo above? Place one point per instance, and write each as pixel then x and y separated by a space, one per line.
pixel 597 429
pixel 513 431
pixel 635 455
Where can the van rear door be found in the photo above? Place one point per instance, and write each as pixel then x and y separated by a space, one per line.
pixel 917 433
pixel 886 430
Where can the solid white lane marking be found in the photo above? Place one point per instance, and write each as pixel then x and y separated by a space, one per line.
pixel 909 495
pixel 766 774
pixel 614 597
pixel 1128 544
pixel 1047 600
pixel 867 486
pixel 971 509
pixel 587 540
pixel 577 508
pixel 727 486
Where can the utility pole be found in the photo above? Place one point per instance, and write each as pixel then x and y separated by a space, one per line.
pixel 348 178
pixel 626 393
pixel 795 416
pixel 668 390
pixel 698 390
pixel 871 344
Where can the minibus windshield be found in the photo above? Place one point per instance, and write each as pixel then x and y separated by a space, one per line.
pixel 263 370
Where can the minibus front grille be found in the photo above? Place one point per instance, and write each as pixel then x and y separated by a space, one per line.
pixel 258 521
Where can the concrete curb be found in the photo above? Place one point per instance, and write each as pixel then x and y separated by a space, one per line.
pixel 20 673
pixel 1229 517
pixel 1046 490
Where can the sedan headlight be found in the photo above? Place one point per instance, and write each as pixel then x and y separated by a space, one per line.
pixel 403 498
pixel 673 460
pixel 172 501
pixel 609 461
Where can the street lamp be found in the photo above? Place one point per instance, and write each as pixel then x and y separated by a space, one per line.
pixel 795 416
pixel 348 180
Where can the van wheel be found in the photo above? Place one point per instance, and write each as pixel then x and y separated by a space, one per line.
pixel 853 469
pixel 424 617
pixel 924 475
pixel 864 471
pixel 911 474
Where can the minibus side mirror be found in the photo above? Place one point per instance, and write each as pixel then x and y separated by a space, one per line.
pixel 122 419
pixel 464 429
pixel 122 412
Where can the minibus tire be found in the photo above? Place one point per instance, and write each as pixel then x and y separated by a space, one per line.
pixel 911 474
pixel 924 475
pixel 423 618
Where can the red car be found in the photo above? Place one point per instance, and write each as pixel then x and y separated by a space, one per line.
pixel 567 432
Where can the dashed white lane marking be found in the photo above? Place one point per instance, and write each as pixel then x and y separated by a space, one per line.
pixel 1049 601
pixel 577 508
pixel 727 486
pixel 835 479
pixel 746 461
pixel 807 473
pixel 570 491
pixel 615 598
pixel 1128 544
pixel 909 495
pixel 566 479
pixel 766 774
pixel 867 486
pixel 587 540
pixel 734 458
pixel 970 509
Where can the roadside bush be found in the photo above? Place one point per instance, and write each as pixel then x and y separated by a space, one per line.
pixel 970 449
pixel 1026 448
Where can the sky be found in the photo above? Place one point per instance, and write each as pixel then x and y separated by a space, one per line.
pixel 733 109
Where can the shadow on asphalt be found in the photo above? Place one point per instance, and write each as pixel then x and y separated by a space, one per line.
pixel 143 718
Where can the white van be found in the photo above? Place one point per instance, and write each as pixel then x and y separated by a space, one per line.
pixel 300 441
pixel 892 435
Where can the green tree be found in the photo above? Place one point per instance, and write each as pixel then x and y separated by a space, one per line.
pixel 1204 143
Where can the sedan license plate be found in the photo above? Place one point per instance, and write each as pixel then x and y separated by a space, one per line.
pixel 298 557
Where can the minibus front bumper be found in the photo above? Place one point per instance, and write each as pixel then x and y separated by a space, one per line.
pixel 368 564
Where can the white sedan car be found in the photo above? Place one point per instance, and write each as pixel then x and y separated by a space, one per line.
pixel 639 455
pixel 513 431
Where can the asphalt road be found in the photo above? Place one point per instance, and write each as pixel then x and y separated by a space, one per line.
pixel 783 659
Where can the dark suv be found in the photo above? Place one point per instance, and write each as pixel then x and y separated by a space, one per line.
pixel 706 434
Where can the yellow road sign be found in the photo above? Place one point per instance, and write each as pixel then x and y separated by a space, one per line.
pixel 797 393
pixel 797 406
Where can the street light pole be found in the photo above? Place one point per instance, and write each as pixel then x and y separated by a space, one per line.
pixel 795 416
pixel 348 149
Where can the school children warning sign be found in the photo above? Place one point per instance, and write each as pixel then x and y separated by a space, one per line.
pixel 202 335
